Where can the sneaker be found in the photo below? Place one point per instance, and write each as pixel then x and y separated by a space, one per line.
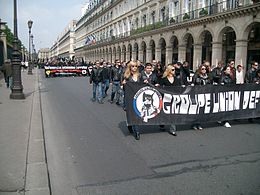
pixel 194 127
pixel 227 125
pixel 199 127
pixel 93 99
pixel 117 103
pixel 172 132
pixel 219 122
pixel 111 101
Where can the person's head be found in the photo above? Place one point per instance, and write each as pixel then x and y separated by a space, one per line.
pixel 131 69
pixel 177 65
pixel 220 64
pixel 231 63
pixel 186 64
pixel 148 68
pixel 207 64
pixel 154 62
pixel 97 64
pixel 254 65
pixel 169 71
pixel 227 70
pixel 117 63
pixel 202 69
pixel 239 67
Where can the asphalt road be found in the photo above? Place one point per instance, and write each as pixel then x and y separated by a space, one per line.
pixel 90 151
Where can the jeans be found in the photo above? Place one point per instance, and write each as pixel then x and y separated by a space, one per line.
pixel 9 81
pixel 115 90
pixel 105 87
pixel 97 87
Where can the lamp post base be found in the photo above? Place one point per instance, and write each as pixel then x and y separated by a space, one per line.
pixel 17 93
pixel 17 96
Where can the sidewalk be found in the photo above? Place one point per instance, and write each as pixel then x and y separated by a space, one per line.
pixel 23 167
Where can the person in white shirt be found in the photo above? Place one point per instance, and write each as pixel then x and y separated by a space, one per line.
pixel 239 74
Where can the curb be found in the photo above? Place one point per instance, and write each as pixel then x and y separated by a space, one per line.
pixel 36 177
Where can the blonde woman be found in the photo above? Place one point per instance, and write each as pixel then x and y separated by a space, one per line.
pixel 169 79
pixel 132 75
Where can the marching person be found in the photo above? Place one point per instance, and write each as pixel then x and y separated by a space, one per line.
pixel 158 69
pixel 96 79
pixel 106 79
pixel 132 75
pixel 148 76
pixel 251 73
pixel 217 73
pixel 227 79
pixel 170 79
pixel 201 78
pixel 239 74
pixel 115 78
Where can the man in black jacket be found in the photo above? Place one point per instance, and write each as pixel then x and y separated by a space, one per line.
pixel 251 73
pixel 115 78
pixel 217 72
pixel 148 76
pixel 96 78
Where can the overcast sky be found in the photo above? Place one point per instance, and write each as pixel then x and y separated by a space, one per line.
pixel 50 17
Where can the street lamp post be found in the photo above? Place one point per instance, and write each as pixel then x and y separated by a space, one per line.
pixel 17 87
pixel 30 22
pixel 32 57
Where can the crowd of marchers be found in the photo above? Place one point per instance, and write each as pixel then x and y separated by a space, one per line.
pixel 105 75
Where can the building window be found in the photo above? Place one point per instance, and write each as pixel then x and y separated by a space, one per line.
pixel 144 20
pixel 163 14
pixel 153 17
pixel 136 22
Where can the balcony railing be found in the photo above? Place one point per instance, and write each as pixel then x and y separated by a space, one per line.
pixel 211 10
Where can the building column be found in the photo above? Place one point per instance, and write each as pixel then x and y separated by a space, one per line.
pixel 149 55
pixel 122 55
pixel 197 55
pixel 113 56
pixel 140 55
pixel 3 38
pixel 158 53
pixel 134 55
pixel 216 53
pixel 127 56
pixel 168 58
pixel 182 53
pixel 241 52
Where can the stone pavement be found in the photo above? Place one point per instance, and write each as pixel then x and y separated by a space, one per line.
pixel 23 165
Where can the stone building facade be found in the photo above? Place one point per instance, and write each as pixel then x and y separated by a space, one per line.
pixel 65 44
pixel 44 54
pixel 170 30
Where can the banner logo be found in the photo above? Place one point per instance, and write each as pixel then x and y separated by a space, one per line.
pixel 147 103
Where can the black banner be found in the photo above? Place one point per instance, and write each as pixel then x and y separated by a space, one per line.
pixel 149 105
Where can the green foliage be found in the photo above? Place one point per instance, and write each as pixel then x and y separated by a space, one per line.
pixel 10 36
pixel 149 27
pixel 203 12
pixel 172 20
pixel 186 16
